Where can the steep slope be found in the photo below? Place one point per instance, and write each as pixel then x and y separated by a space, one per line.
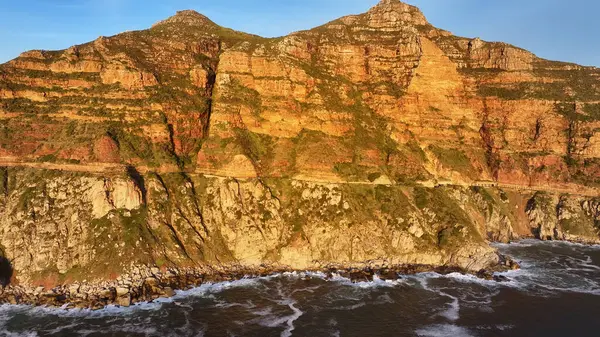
pixel 189 144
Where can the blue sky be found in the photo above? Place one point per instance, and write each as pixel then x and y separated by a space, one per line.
pixel 553 29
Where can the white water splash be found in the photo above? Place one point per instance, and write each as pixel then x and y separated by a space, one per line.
pixel 443 330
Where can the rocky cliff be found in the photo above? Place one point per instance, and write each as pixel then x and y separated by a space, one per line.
pixel 375 139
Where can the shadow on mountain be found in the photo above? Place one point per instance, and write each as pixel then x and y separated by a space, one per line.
pixel 6 271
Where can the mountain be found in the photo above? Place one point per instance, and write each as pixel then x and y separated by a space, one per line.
pixel 373 140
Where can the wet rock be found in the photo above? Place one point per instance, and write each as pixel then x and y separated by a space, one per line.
pixel 388 274
pixel 121 291
pixel 361 276
pixel 501 278
pixel 168 292
pixel 485 274
pixel 124 301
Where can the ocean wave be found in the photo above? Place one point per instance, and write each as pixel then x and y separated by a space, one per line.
pixel 211 288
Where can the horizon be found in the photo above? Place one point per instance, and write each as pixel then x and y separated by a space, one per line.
pixel 534 26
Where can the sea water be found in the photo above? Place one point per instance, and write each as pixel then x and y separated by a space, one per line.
pixel 556 293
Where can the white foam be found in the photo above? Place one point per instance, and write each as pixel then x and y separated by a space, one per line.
pixel 57 330
pixel 375 283
pixel 291 320
pixel 443 330
pixel 593 290
pixel 273 321
pixel 263 312
pixel 211 288
pixel 453 311
pixel 504 327
pixel 534 242
pixel 205 290
pixel 383 299
pixel 226 305
pixel 307 289
pixel 351 307
pixel 121 329
pixel 7 333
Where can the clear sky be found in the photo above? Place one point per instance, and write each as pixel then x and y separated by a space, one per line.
pixel 566 30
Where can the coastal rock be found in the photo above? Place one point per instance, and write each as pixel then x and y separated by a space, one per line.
pixel 112 194
pixel 543 219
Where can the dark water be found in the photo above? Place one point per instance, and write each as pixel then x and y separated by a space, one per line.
pixel 557 293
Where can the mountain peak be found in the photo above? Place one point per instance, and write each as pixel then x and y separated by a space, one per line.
pixel 187 17
pixel 393 13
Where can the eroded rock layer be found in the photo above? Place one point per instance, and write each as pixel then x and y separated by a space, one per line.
pixel 375 139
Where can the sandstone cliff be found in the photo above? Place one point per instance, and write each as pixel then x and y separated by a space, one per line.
pixel 191 144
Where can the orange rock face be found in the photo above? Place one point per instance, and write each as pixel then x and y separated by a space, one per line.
pixel 106 150
pixel 380 93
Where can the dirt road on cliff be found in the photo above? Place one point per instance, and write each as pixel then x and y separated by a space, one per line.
pixel 113 168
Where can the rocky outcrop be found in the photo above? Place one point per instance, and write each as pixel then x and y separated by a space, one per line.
pixel 48 221
pixel 127 78
pixel 498 56
pixel 564 217
pixel 393 14
pixel 111 194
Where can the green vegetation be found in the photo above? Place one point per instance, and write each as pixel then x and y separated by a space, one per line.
pixel 257 147
pixel 374 176
pixel 47 74
pixel 352 171
pixel 240 95
pixel 49 158
pixel 591 112
pixel 567 86
pixel 4 181
pixel 455 224
pixel 454 159
pixel 572 85
pixel 522 91
pixel 134 227
pixel 587 172
pixel 129 232
pixel 391 201
pixel 487 197
pixel 480 73
pixel 133 146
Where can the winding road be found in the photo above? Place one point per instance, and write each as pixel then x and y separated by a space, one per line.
pixel 113 168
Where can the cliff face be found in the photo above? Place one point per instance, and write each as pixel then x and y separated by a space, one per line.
pixel 192 144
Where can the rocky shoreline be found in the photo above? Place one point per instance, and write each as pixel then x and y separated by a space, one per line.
pixel 146 284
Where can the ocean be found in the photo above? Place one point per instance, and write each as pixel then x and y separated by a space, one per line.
pixel 556 293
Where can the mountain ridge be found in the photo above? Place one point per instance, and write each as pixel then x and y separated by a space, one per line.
pixel 181 15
